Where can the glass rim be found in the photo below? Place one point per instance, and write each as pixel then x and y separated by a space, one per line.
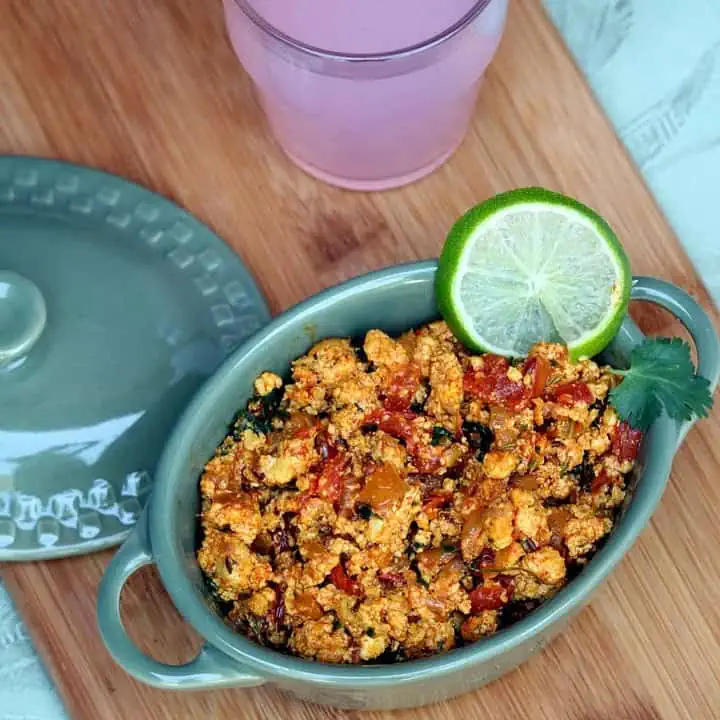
pixel 292 43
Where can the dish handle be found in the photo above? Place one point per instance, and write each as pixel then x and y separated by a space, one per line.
pixel 694 318
pixel 210 669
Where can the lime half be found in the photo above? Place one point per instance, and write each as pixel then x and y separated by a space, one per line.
pixel 531 265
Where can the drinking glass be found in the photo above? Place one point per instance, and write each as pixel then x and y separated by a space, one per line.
pixel 368 121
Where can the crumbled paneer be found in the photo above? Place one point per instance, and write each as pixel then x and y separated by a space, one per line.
pixel 484 623
pixel 396 499
pixel 446 383
pixel 546 564
pixel 233 568
pixel 267 382
pixel 383 350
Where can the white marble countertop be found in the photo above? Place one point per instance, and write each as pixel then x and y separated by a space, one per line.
pixel 655 67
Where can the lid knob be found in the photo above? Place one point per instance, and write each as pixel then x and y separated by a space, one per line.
pixel 22 316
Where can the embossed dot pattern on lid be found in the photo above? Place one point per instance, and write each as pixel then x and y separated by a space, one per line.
pixel 180 232
pixel 151 236
pixel 108 196
pixel 147 213
pixel 119 220
pixel 8 530
pixel 67 184
pixel 223 315
pixel 129 511
pixel 205 284
pixel 236 294
pixel 84 205
pixel 136 484
pixel 27 178
pixel 181 257
pixel 89 524
pixel 210 260
pixel 99 513
pixel 48 531
pixel 46 197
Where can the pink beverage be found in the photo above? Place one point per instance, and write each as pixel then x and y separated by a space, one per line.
pixel 367 94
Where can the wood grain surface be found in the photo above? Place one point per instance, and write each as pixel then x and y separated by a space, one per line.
pixel 152 91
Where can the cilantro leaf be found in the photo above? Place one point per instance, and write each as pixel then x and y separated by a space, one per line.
pixel 439 433
pixel 259 414
pixel 661 377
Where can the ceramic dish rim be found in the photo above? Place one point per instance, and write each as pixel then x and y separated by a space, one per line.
pixel 268 662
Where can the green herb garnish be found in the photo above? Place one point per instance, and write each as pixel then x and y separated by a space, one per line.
pixel 479 437
pixel 260 413
pixel 661 378
pixel 584 474
pixel 414 547
pixel 439 433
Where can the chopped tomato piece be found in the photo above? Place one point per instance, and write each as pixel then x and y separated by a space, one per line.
pixel 383 488
pixel 392 579
pixel 299 425
pixel 397 424
pixel 426 458
pixel 507 582
pixel 486 559
pixel 488 597
pixel 539 370
pixel 404 385
pixel 558 519
pixel 331 481
pixel 439 499
pixel 600 481
pixel 313 549
pixel 477 385
pixel 472 533
pixel 495 364
pixel 325 445
pixel 307 606
pixel 572 394
pixel 432 562
pixel 492 384
pixel 626 442
pixel 481 383
pixel 510 393
pixel 342 581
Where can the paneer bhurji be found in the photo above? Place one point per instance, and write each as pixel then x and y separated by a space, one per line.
pixel 402 497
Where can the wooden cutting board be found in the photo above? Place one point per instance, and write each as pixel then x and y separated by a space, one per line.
pixel 152 91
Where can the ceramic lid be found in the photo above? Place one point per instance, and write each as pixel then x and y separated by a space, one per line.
pixel 115 306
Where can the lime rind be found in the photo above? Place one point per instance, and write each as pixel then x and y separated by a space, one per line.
pixel 532 265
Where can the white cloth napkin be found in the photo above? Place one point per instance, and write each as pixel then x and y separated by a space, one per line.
pixel 655 68
pixel 26 692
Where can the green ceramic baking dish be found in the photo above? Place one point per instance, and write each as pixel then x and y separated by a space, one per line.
pixel 393 299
